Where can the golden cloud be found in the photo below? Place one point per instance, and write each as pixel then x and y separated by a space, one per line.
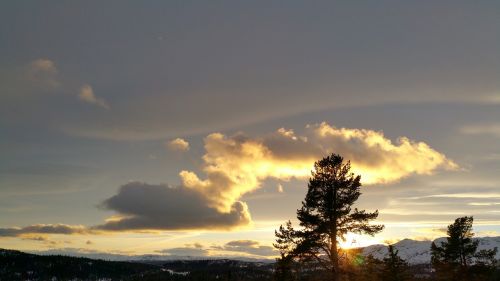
pixel 178 144
pixel 238 165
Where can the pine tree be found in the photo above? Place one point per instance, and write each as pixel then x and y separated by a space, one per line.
pixel 395 268
pixel 285 245
pixel 327 216
pixel 459 247
pixel 371 269
pixel 442 269
pixel 455 256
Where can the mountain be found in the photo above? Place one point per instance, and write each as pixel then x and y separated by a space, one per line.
pixel 419 252
pixel 76 252
pixel 413 251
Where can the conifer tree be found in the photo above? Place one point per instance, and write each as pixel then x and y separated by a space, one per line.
pixel 285 245
pixel 371 269
pixel 395 268
pixel 459 247
pixel 327 215
pixel 454 257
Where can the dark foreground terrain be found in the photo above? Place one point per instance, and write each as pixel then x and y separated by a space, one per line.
pixel 15 265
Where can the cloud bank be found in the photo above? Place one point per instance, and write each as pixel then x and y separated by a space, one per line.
pixel 485 129
pixel 44 229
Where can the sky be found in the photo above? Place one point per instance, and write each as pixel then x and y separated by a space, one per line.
pixel 191 127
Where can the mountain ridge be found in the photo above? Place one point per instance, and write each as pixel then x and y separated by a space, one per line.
pixel 419 252
pixel 413 251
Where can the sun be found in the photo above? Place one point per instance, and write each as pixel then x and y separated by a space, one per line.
pixel 353 240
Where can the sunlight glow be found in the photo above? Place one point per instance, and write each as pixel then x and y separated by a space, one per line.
pixel 353 240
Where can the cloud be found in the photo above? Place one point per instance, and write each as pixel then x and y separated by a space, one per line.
pixel 146 206
pixel 36 238
pixel 43 229
pixel 469 195
pixel 44 72
pixel 42 239
pixel 248 246
pixel 32 82
pixel 87 95
pixel 489 129
pixel 43 65
pixel 238 164
pixel 178 144
pixel 483 203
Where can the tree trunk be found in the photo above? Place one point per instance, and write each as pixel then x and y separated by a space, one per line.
pixel 335 261
pixel 333 238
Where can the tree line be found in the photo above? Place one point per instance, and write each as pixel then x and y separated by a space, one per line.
pixel 327 215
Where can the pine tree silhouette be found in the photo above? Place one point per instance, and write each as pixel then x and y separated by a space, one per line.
pixel 326 216
pixel 458 258
pixel 395 268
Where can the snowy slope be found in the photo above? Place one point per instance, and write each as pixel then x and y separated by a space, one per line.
pixel 419 252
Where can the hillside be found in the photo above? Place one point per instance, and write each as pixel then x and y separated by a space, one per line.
pixel 16 265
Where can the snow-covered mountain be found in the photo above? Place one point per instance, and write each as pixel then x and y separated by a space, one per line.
pixel 75 252
pixel 413 251
pixel 419 252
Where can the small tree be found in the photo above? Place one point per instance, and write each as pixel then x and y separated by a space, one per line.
pixel 327 216
pixel 395 268
pixel 284 243
pixel 371 269
pixel 456 256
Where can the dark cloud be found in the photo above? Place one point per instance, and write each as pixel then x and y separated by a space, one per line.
pixel 146 206
pixel 43 229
